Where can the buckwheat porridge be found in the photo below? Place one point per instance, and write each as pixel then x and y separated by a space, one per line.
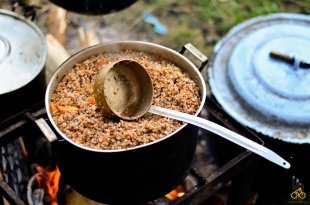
pixel 74 110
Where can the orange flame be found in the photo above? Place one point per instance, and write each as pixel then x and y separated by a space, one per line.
pixel 175 194
pixel 49 181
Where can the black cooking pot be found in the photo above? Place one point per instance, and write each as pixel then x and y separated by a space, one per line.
pixel 267 95
pixel 93 7
pixel 132 175
pixel 23 53
pixel 129 176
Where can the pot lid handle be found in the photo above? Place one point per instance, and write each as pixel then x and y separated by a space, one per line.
pixel 296 62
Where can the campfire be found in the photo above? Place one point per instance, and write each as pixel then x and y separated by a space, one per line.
pixel 43 186
pixel 47 185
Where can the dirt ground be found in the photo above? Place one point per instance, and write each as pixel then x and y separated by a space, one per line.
pixel 202 23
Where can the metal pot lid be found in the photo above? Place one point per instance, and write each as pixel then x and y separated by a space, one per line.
pixel 268 95
pixel 23 51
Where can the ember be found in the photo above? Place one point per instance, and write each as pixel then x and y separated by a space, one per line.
pixel 175 194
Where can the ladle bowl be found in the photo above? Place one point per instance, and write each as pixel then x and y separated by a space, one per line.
pixel 124 89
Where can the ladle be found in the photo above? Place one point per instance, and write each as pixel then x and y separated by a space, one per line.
pixel 124 89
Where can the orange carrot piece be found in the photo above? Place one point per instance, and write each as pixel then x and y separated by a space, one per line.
pixel 91 100
pixel 53 107
pixel 67 108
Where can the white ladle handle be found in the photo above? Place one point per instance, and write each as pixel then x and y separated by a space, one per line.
pixel 223 132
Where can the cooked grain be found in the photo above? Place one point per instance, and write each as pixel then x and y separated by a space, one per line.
pixel 78 117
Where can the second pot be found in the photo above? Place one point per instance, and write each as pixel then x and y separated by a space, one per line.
pixel 22 72
pixel 94 7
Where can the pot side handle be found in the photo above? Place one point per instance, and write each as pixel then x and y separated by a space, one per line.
pixel 46 130
pixel 196 53
pixel 43 126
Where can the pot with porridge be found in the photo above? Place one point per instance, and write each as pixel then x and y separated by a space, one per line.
pixel 110 160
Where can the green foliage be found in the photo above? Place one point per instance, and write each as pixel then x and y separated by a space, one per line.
pixel 182 35
pixel 227 13
pixel 204 22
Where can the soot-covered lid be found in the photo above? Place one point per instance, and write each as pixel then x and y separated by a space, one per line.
pixel 267 94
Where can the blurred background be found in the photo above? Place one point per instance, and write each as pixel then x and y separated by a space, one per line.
pixel 201 22
pixel 166 22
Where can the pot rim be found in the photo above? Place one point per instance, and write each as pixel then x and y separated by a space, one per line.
pixel 143 43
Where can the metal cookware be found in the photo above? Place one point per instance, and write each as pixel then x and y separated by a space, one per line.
pixel 132 175
pixel 94 7
pixel 23 53
pixel 266 94
pixel 123 89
